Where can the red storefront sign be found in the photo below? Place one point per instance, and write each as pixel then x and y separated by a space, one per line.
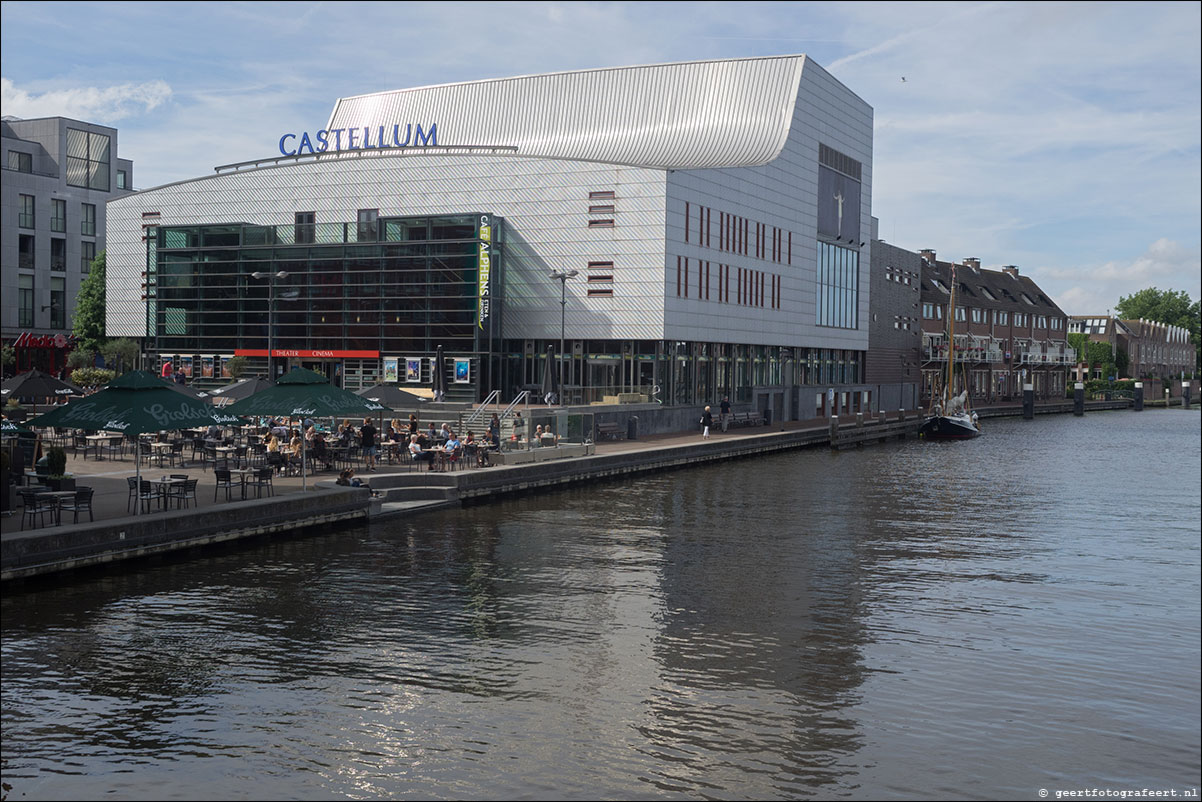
pixel 317 354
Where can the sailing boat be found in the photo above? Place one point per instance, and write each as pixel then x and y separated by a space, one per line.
pixel 950 418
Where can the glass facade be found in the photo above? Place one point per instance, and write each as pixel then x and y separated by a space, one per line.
pixel 838 286
pixel 402 288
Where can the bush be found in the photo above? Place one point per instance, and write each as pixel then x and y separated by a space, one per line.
pixel 56 462
pixel 237 366
pixel 92 377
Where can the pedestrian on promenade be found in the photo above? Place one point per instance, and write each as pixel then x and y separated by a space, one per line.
pixel 367 441
pixel 707 420
pixel 724 412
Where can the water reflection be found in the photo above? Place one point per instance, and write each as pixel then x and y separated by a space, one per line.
pixel 903 620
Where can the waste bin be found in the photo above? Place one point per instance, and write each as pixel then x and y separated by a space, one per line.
pixel 632 427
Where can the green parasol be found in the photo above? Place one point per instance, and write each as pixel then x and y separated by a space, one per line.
pixel 136 402
pixel 304 394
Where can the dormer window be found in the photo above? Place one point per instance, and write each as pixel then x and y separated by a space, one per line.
pixel 1026 299
pixel 985 291
pixel 940 285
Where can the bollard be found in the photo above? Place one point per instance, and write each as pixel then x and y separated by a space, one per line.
pixel 1028 402
pixel 1139 396
pixel 859 420
pixel 632 428
pixel 1079 399
pixel 881 417
pixel 834 429
pixel 901 414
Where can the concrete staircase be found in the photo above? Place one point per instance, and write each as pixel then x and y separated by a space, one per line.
pixel 414 490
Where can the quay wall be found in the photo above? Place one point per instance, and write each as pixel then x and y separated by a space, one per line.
pixel 45 551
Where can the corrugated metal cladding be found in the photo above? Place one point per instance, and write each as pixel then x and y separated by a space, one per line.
pixel 669 116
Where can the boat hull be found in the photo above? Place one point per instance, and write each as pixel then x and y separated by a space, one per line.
pixel 949 427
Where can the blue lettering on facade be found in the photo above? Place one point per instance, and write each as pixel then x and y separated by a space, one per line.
pixel 320 141
pixel 430 138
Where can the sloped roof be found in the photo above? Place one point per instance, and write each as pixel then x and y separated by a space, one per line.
pixel 730 113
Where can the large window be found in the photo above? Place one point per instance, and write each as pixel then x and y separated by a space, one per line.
pixel 25 300
pixel 58 253
pixel 88 160
pixel 26 217
pixel 21 162
pixel 122 180
pixel 25 252
pixel 88 221
pixel 87 252
pixel 58 216
pixel 368 225
pixel 305 227
pixel 838 286
pixel 58 303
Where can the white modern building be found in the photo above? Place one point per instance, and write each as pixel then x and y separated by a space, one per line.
pixel 710 222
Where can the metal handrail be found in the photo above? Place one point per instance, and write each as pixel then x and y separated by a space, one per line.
pixel 522 396
pixel 478 412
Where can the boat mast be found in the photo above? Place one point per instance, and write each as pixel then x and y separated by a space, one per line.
pixel 951 344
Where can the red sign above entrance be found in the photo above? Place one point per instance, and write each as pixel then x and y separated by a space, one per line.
pixel 318 354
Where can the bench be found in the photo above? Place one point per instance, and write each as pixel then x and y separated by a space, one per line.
pixel 747 418
pixel 612 430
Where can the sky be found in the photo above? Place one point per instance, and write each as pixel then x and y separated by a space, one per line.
pixel 1063 138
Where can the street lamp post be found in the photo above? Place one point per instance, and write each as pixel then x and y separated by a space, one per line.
pixel 563 276
pixel 270 316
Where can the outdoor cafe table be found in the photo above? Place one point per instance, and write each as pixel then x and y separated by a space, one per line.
pixel 98 441
pixel 59 496
pixel 163 486
pixel 243 474
pixel 160 450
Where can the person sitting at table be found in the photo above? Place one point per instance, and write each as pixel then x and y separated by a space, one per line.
pixel 444 432
pixel 431 435
pixel 294 450
pixel 416 451
pixel 213 432
pixel 538 435
pixel 320 452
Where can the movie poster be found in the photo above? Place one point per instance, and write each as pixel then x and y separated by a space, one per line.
pixel 463 371
pixel 225 367
pixel 390 370
pixel 413 369
pixel 206 367
pixel 186 366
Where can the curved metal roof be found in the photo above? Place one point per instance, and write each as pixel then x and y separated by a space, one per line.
pixel 733 113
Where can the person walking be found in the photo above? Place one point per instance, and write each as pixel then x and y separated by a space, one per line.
pixel 707 420
pixel 724 413
pixel 367 441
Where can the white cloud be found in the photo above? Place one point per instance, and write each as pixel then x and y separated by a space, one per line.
pixel 1092 289
pixel 94 104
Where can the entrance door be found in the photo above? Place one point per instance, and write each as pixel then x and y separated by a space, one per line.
pixel 330 369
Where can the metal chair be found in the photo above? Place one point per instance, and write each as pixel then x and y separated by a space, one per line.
pixel 184 493
pixel 36 503
pixel 81 502
pixel 223 480
pixel 263 481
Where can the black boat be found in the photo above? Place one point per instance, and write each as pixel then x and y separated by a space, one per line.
pixel 950 418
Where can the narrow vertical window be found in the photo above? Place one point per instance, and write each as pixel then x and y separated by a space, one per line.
pixel 58 215
pixel 87 222
pixel 687 218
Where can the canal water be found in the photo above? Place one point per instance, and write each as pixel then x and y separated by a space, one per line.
pixel 914 620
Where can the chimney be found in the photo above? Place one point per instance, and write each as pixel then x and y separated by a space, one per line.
pixel 1010 270
pixel 928 256
pixel 973 263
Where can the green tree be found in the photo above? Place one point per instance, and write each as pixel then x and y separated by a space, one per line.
pixel 121 353
pixel 88 319
pixel 237 366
